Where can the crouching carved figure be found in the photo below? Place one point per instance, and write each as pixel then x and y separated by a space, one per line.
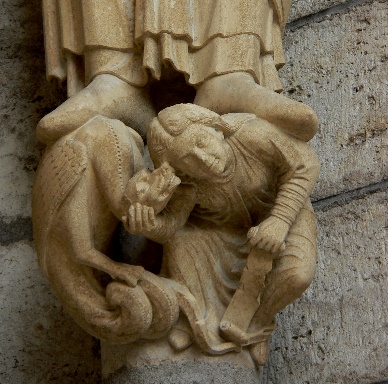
pixel 78 200
pixel 229 201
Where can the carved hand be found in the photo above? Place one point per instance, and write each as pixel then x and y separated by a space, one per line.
pixel 140 220
pixel 269 235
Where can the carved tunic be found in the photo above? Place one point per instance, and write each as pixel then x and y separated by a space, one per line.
pixel 133 39
pixel 273 173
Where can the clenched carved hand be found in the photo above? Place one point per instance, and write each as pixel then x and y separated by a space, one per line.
pixel 270 235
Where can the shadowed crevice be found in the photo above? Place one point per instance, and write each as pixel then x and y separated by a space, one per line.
pixel 347 197
pixel 18 229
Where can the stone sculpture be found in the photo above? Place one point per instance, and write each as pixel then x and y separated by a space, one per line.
pixel 252 181
pixel 78 198
pixel 229 51
pixel 229 194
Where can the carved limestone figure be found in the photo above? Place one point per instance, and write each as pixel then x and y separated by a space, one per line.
pixel 79 196
pixel 228 50
pixel 228 198
pixel 253 181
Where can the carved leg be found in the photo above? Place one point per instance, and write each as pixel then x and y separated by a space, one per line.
pixel 81 214
pixel 292 272
pixel 106 95
pixel 238 92
pixel 291 275
pixel 246 300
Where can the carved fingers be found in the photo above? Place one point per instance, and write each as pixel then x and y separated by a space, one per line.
pixel 270 235
pixel 140 219
pixel 128 274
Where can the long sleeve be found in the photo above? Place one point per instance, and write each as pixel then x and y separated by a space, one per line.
pixel 298 175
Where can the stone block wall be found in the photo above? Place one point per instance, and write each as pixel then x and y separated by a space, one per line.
pixel 338 331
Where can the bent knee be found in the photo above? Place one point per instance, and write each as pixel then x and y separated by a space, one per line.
pixel 100 128
pixel 301 279
pixel 309 121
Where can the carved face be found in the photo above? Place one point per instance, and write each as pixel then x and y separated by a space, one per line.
pixel 200 152
pixel 153 189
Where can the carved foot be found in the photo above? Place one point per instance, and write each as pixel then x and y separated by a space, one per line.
pixel 179 340
pixel 234 333
pixel 106 95
pixel 259 353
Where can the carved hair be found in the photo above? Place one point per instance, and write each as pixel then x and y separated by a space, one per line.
pixel 173 121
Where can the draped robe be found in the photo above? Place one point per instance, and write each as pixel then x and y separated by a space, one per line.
pixel 132 39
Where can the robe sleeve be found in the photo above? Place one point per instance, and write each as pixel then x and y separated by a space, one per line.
pixel 298 173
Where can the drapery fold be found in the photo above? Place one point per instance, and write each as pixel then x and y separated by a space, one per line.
pixel 200 38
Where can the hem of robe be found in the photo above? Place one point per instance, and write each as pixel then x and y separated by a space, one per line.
pixel 240 53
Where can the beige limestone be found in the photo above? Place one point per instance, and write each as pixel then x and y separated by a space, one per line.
pixel 77 203
pixel 56 352
pixel 151 41
pixel 339 67
pixel 235 225
pixel 338 330
pixel 246 180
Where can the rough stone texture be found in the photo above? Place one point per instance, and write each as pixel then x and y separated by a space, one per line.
pixel 187 373
pixel 302 8
pixel 339 66
pixel 38 342
pixel 148 361
pixel 338 331
pixel 25 97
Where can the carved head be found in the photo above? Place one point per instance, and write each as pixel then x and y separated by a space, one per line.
pixel 153 189
pixel 191 139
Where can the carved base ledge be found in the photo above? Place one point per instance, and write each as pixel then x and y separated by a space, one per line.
pixel 155 362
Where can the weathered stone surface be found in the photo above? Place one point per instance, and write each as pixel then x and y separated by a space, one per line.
pixel 301 8
pixel 195 372
pixel 38 342
pixel 338 331
pixel 339 66
pixel 25 97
